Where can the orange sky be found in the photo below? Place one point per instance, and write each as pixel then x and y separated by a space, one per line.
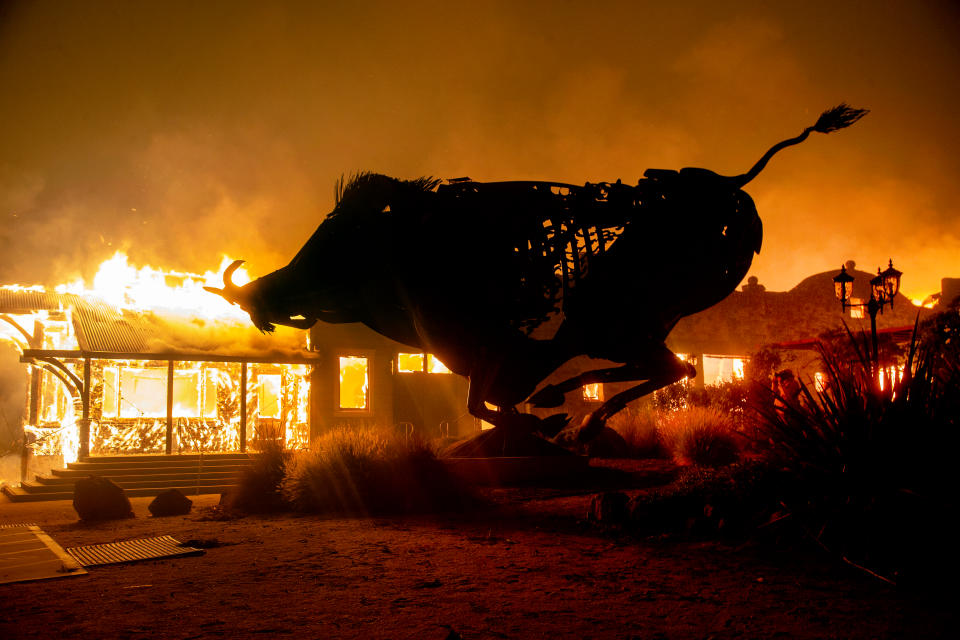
pixel 180 132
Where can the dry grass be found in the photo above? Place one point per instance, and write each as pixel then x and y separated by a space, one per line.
pixel 258 489
pixel 699 435
pixel 369 471
pixel 638 428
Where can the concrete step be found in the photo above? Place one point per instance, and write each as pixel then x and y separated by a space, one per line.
pixel 19 494
pixel 44 484
pixel 139 475
pixel 176 464
pixel 163 457
pixel 144 471
pixel 70 478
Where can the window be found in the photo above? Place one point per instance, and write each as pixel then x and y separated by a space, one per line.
pixel 593 392
pixel 738 369
pixel 409 362
pixel 111 391
pixel 856 311
pixel 130 392
pixel 414 363
pixel 435 366
pixel 268 395
pixel 143 393
pixel 354 383
pixel 210 377
pixel 718 369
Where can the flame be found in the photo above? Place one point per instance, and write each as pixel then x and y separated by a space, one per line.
pixel 206 398
pixel 126 286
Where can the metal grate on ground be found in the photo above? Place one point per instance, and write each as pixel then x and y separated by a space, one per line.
pixel 131 551
pixel 27 553
pixel 19 524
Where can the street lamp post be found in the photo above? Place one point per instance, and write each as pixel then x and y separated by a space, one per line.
pixel 883 289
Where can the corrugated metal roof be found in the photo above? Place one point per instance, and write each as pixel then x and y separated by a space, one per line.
pixel 100 327
pixel 131 551
pixel 20 302
pixel 97 325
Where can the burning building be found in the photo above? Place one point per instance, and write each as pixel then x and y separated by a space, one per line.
pixel 145 362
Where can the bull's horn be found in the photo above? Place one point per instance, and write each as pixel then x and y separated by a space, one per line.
pixel 839 117
pixel 230 292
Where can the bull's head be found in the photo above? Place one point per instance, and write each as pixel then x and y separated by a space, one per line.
pixel 262 300
pixel 246 297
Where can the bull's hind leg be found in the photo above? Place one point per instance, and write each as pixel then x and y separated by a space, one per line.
pixel 657 370
pixel 659 362
pixel 504 378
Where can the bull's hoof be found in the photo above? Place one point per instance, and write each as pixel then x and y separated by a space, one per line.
pixel 548 397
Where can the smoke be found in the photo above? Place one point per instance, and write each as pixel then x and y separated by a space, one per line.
pixel 183 131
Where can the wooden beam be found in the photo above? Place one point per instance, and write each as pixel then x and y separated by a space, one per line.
pixel 85 419
pixel 169 439
pixel 243 407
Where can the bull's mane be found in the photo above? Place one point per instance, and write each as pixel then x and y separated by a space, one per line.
pixel 361 184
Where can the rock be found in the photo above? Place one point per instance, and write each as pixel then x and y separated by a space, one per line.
pixel 170 503
pixel 97 498
pixel 609 507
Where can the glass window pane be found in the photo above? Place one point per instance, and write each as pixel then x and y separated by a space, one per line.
pixel 593 392
pixel 210 393
pixel 143 393
pixel 186 394
pixel 354 383
pixel 409 362
pixel 435 366
pixel 111 391
pixel 857 311
pixel 269 395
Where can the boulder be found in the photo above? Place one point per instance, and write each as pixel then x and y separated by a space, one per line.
pixel 96 498
pixel 170 503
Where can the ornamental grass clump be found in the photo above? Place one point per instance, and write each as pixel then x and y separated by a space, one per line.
pixel 258 486
pixel 370 471
pixel 638 428
pixel 703 436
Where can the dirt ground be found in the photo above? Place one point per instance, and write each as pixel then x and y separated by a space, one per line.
pixel 528 567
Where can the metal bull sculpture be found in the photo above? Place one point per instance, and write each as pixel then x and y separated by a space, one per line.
pixel 506 281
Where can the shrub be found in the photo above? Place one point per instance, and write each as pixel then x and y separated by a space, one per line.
pixel 871 469
pixel 638 428
pixel 258 487
pixel 701 435
pixel 369 471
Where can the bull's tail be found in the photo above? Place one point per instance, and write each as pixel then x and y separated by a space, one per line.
pixel 839 117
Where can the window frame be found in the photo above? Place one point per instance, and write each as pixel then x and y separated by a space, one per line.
pixel 340 412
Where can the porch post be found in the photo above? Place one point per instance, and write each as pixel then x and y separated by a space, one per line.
pixel 243 407
pixel 36 342
pixel 169 442
pixel 85 415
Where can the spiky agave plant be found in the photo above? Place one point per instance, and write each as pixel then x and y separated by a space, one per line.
pixel 869 471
